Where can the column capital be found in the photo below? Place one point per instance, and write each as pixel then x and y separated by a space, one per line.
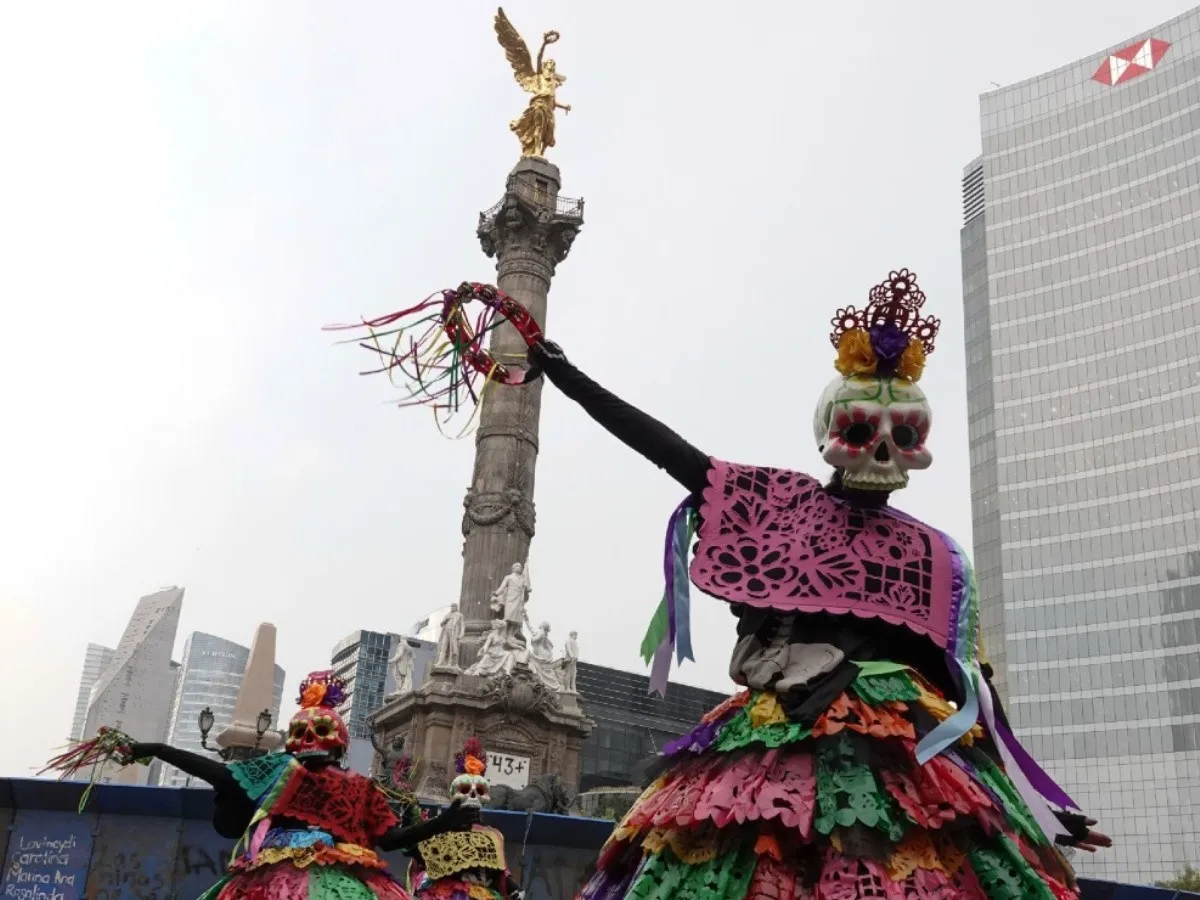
pixel 532 228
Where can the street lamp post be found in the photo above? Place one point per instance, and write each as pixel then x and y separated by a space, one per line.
pixel 262 725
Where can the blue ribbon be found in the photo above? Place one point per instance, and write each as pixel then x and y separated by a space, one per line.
pixel 953 728
pixel 680 584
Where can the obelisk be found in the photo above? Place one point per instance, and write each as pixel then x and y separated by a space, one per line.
pixel 257 693
pixel 529 232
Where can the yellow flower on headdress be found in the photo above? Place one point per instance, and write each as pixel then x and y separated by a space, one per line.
pixel 855 355
pixel 912 361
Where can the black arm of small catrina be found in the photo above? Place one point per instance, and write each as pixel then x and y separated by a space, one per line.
pixel 405 837
pixel 628 424
pixel 203 767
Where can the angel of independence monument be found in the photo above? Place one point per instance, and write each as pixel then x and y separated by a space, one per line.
pixel 490 680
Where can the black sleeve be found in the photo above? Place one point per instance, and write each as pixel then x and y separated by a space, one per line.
pixel 638 431
pixel 232 813
pixel 406 837
pixel 456 817
pixel 203 767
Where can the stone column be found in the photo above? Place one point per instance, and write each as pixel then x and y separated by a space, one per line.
pixel 528 232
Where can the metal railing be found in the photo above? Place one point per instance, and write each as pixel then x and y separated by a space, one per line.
pixel 568 207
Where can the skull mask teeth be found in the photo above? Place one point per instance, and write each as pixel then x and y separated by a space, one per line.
pixel 317 733
pixel 471 790
pixel 874 430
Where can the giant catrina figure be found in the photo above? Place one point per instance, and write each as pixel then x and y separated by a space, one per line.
pixel 309 828
pixel 842 769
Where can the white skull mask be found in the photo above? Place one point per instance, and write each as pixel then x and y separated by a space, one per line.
pixel 472 790
pixel 874 430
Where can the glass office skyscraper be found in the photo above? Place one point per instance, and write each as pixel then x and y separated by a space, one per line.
pixel 210 676
pixel 1081 281
pixel 95 662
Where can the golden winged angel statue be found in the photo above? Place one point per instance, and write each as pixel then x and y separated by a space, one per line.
pixel 535 128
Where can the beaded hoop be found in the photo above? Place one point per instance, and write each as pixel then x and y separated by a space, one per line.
pixel 439 350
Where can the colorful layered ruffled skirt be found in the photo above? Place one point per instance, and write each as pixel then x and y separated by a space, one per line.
pixel 453 889
pixel 307 864
pixel 753 805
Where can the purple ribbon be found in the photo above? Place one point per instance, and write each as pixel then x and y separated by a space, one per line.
pixel 1042 783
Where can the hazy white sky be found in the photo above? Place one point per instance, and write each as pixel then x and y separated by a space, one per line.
pixel 189 191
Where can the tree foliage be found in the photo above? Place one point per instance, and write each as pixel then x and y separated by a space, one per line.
pixel 1187 880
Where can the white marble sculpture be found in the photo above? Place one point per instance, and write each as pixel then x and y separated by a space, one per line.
pixel 509 600
pixel 451 632
pixel 401 664
pixel 568 663
pixel 495 657
pixel 541 658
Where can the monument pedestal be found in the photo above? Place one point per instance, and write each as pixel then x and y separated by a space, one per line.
pixel 513 715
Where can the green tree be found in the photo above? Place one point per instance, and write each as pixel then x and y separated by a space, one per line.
pixel 1187 880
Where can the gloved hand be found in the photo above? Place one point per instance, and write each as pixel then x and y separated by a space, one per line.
pixel 458 817
pixel 545 350
pixel 1082 836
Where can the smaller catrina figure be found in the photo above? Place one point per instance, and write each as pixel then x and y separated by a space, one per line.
pixel 466 865
pixel 309 828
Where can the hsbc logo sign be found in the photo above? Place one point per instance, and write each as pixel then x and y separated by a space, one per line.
pixel 1130 62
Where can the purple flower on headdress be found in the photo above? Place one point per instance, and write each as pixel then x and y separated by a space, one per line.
pixel 888 342
pixel 335 695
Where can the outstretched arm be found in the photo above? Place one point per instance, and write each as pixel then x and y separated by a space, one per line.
pixel 232 809
pixel 203 767
pixel 638 431
pixel 456 818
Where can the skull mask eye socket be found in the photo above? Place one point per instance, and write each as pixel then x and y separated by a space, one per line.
pixel 297 730
pixel 322 729
pixel 464 789
pixel 906 437
pixel 859 434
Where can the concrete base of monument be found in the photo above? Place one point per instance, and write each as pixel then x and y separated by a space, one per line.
pixel 527 728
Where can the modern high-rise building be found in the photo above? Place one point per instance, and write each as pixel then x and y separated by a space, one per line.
pixel 210 675
pixel 95 661
pixel 361 659
pixel 135 690
pixel 631 725
pixel 1081 283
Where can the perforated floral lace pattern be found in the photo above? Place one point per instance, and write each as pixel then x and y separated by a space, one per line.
pixel 450 889
pixel 257 776
pixel 666 878
pixel 458 851
pixel 885 720
pixel 726 789
pixel 776 538
pixel 849 799
pixel 848 793
pixel 345 803
pixel 776 880
pixel 879 689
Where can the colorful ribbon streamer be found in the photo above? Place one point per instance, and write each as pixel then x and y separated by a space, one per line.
pixel 1030 780
pixel 671 627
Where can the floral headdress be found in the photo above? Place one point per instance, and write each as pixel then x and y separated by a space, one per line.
pixel 888 338
pixel 321 690
pixel 471 760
